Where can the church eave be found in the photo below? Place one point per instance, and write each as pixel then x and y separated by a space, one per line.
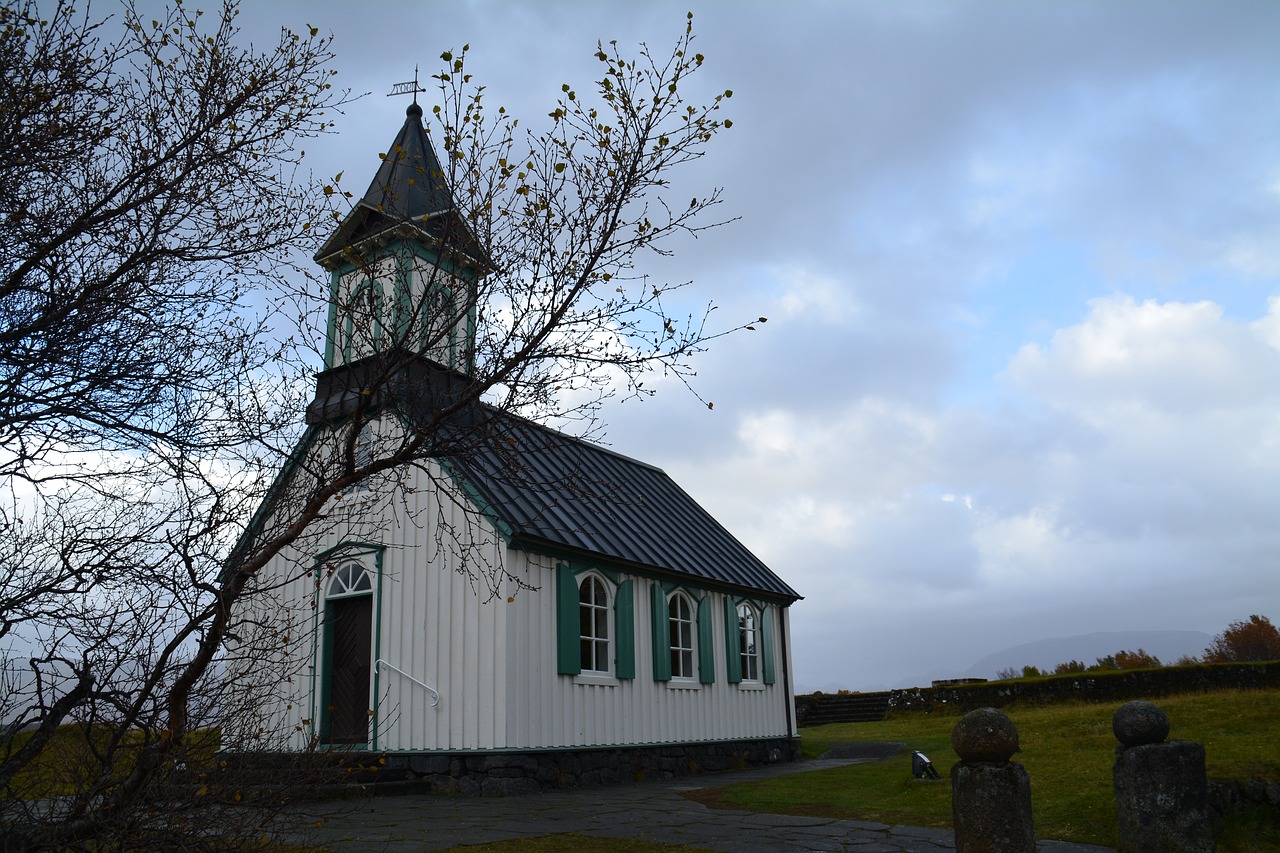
pixel 367 246
pixel 534 544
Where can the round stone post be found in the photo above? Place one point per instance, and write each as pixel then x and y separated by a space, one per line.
pixel 990 795
pixel 1162 793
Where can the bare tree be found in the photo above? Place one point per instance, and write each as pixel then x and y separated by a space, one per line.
pixel 150 208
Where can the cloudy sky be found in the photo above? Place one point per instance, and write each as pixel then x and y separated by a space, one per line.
pixel 1021 264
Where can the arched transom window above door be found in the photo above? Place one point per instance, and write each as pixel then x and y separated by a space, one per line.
pixel 350 579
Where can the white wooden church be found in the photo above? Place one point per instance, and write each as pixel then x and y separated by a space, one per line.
pixel 640 628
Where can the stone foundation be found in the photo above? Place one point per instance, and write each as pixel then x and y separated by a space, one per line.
pixel 503 774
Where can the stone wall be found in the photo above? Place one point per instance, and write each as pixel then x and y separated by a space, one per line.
pixel 1112 686
pixel 512 773
pixel 1226 795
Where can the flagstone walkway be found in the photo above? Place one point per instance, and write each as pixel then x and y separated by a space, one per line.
pixel 652 810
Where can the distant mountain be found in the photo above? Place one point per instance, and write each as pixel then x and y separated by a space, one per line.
pixel 1046 654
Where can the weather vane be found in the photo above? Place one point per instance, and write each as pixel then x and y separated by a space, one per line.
pixel 410 87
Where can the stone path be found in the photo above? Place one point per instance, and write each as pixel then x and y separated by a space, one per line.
pixel 651 810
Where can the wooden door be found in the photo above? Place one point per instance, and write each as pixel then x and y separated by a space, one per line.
pixel 350 622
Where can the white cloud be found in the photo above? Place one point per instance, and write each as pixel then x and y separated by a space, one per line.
pixel 816 297
pixel 1137 460
pixel 1267 327
pixel 1172 357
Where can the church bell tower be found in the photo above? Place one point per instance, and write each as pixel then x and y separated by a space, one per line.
pixel 404 269
pixel 403 264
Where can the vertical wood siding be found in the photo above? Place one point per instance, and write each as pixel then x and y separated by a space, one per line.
pixel 564 711
pixel 494 662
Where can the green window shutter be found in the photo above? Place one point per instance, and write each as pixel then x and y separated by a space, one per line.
pixel 706 645
pixel 732 650
pixel 624 622
pixel 568 652
pixel 766 644
pixel 661 639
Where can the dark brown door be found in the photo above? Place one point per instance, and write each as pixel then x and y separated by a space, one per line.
pixel 351 621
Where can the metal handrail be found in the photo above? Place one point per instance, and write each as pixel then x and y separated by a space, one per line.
pixel 435 694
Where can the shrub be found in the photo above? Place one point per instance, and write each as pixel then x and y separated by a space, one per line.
pixel 1256 639
pixel 1136 660
pixel 1104 663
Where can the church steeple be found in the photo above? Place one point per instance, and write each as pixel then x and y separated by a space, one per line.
pixel 403 262
pixel 409 187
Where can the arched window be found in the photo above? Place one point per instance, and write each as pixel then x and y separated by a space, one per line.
pixel 363 325
pixel 438 330
pixel 680 630
pixel 748 642
pixel 593 621
pixel 349 579
pixel 595 625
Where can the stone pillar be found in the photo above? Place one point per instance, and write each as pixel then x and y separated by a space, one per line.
pixel 1162 794
pixel 990 795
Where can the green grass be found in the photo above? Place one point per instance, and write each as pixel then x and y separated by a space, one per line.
pixel 1250 830
pixel 1067 749
pixel 72 757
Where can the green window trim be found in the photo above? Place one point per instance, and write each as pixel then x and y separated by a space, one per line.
pixel 706 648
pixel 732 650
pixel 661 647
pixel 331 325
pixel 322 632
pixel 404 318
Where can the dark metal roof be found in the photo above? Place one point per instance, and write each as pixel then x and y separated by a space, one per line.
pixel 557 491
pixel 409 187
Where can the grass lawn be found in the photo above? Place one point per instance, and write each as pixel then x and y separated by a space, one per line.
pixel 74 756
pixel 1068 751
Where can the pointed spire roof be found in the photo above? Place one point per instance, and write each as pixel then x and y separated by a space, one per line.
pixel 409 188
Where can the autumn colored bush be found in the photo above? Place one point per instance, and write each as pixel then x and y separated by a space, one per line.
pixel 1252 640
